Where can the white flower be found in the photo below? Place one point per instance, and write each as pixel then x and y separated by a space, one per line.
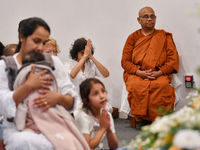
pixel 188 139
pixel 160 125
pixel 189 95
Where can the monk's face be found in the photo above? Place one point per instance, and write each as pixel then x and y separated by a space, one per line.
pixel 147 18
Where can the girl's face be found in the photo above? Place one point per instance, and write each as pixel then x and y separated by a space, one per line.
pixel 80 55
pixel 35 41
pixel 97 96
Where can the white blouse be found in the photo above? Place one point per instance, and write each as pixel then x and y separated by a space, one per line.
pixel 90 72
pixel 90 125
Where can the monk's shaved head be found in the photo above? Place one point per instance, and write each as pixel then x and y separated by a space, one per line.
pixel 141 12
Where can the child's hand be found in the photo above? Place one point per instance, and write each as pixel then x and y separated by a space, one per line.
pixel 104 120
pixel 88 49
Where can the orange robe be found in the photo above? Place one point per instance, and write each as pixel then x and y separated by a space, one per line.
pixel 157 52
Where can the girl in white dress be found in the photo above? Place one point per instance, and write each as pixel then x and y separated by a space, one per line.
pixel 93 119
pixel 84 65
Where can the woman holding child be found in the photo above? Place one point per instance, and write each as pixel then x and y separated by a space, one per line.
pixel 33 34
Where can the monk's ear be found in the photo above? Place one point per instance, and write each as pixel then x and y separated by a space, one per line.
pixel 139 20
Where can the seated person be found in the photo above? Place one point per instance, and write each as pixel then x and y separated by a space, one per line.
pixel 94 120
pixel 84 65
pixel 30 118
pixel 149 58
pixel 33 33
pixel 51 47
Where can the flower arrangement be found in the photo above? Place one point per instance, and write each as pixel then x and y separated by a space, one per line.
pixel 177 131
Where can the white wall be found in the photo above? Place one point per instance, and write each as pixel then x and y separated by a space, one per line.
pixel 108 23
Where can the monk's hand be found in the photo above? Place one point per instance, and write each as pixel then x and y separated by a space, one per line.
pixel 156 74
pixel 144 74
pixel 37 81
pixel 47 99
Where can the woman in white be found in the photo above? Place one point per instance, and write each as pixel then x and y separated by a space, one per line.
pixel 33 33
pixel 84 65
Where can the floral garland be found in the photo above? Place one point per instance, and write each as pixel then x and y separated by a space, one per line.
pixel 177 131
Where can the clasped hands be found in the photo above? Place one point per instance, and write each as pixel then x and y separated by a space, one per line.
pixel 88 50
pixel 149 74
pixel 38 81
pixel 104 120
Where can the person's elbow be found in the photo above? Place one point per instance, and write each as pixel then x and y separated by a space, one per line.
pixel 106 74
pixel 72 75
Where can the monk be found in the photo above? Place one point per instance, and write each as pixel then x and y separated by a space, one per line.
pixel 149 58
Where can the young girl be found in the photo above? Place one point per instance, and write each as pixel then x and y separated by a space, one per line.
pixel 93 119
pixel 84 65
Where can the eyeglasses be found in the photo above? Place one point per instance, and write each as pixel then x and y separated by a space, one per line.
pixel 147 17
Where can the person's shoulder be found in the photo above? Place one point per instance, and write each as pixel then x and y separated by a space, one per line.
pixel 8 59
pixel 55 58
pixel 56 61
pixel 81 114
pixel 70 64
pixel 82 117
pixel 135 35
pixel 163 31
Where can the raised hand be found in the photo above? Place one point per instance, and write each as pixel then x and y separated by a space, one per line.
pixel 88 49
pixel 104 120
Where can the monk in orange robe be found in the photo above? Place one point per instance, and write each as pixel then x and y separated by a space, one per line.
pixel 149 58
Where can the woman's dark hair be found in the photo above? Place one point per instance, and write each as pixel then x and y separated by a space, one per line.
pixel 28 26
pixel 78 46
pixel 85 88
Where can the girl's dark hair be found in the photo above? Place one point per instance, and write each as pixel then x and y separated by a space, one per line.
pixel 28 26
pixel 85 88
pixel 78 46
